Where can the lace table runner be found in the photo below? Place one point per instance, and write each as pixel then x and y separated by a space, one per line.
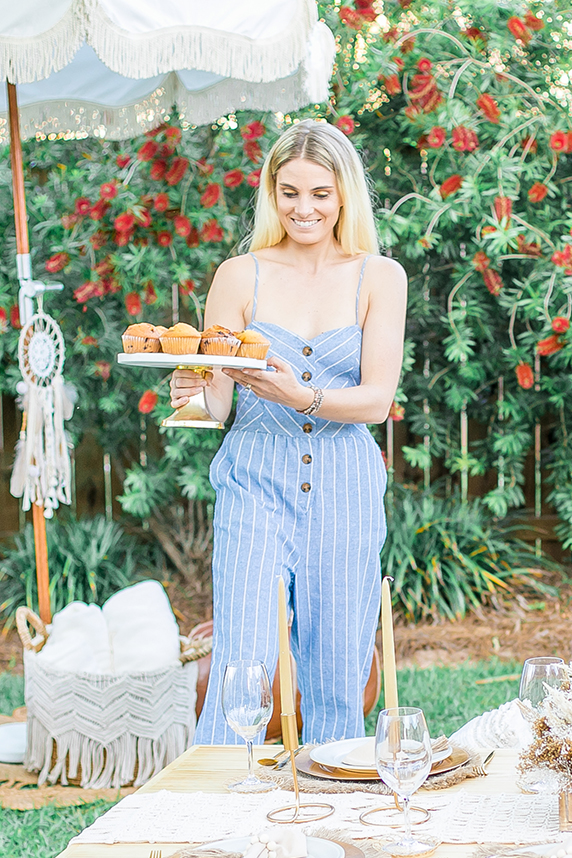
pixel 170 817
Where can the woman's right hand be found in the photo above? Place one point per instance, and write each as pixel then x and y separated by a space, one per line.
pixel 186 383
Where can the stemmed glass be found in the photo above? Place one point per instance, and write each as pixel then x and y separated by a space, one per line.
pixel 247 707
pixel 403 759
pixel 538 672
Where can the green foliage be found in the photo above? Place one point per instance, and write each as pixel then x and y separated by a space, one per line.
pixel 11 692
pixel 45 833
pixel 447 557
pixel 89 560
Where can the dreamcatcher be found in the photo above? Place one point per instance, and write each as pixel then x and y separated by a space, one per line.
pixel 42 468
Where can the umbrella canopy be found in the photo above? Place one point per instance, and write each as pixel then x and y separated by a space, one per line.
pixel 115 68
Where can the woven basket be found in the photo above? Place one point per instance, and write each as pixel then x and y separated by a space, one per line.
pixel 106 730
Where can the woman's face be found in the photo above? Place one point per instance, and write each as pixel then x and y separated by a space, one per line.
pixel 308 200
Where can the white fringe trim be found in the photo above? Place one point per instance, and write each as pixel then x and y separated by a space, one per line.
pixel 198 108
pixel 25 60
pixel 228 54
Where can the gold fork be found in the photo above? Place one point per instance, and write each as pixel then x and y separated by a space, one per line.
pixel 155 853
pixel 479 770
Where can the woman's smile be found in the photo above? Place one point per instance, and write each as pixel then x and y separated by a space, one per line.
pixel 307 200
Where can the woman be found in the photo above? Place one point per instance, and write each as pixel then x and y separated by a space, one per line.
pixel 299 479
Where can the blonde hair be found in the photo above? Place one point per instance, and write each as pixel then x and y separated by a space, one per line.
pixel 324 144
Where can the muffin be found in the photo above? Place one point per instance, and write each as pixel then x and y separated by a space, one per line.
pixel 252 345
pixel 217 340
pixel 181 339
pixel 141 338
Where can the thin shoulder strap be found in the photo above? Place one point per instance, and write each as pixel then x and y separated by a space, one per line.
pixel 256 279
pixel 359 286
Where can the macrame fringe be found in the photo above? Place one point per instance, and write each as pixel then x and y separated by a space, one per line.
pixel 228 54
pixel 127 759
pixel 30 58
pixel 196 107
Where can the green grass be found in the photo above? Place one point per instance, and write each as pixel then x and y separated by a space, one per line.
pixel 448 696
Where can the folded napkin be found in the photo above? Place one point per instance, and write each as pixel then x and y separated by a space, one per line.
pixel 363 757
pixel 278 842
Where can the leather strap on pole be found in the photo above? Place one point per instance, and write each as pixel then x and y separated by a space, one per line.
pixel 23 247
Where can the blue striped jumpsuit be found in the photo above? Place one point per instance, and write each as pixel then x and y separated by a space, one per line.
pixel 299 497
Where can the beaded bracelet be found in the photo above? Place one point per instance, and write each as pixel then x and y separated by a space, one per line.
pixel 316 403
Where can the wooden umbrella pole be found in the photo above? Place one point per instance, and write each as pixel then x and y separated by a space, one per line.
pixel 23 249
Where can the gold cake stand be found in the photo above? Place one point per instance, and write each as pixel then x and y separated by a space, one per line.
pixel 195 414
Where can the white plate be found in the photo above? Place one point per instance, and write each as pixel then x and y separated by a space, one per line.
pixel 333 754
pixel 158 360
pixel 13 742
pixel 317 847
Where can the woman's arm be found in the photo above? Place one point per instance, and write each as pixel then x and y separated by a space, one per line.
pixel 385 284
pixel 227 303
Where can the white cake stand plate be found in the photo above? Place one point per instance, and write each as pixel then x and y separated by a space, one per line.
pixel 195 414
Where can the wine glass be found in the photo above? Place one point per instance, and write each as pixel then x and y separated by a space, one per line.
pixel 538 672
pixel 247 707
pixel 403 760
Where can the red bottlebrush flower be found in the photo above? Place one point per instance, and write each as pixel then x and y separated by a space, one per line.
pixel 560 324
pixel 69 221
pixel 108 191
pixel 503 209
pixel 103 369
pixel 424 65
pixel 537 192
pixel 173 136
pixel 124 222
pixel 450 185
pixel 149 294
pixel 89 289
pixel 177 170
pixel 253 131
pixel 148 150
pixel 158 169
pixel 82 206
pixel 569 142
pixel 475 34
pixel 143 218
pixel 464 139
pixel 147 402
pixel 398 62
pixel 559 141
pixel 164 238
pixel 390 35
pixel 212 231
pixel 481 261
pixel 233 178
pixel 89 341
pixel 424 92
pixel 532 22
pixel 204 168
pixel 253 179
pixel 3 320
pixel 98 239
pixel 563 258
pixel 549 346
pixel 489 107
pixel 161 202
pixel 486 230
pixel 15 316
pixel 193 239
pixel 533 148
pixel 111 285
pixel 346 124
pixel 351 17
pixel 182 225
pixel 57 262
pixel 392 85
pixel 186 287
pixel 412 112
pixel 493 281
pixel 519 29
pixel 210 196
pixel 525 375
pixel 253 151
pixel 123 160
pixel 530 248
pixel 99 210
pixel 407 45
pixel 133 303
pixel 105 267
pixel 122 239
pixel 396 412
pixel 436 137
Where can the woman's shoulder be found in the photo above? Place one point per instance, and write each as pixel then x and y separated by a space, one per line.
pixel 382 272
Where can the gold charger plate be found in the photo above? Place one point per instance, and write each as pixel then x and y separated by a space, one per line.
pixel 305 764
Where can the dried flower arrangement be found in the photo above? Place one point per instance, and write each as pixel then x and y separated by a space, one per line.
pixel 551 726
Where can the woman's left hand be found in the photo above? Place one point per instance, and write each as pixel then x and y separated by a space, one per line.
pixel 280 386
